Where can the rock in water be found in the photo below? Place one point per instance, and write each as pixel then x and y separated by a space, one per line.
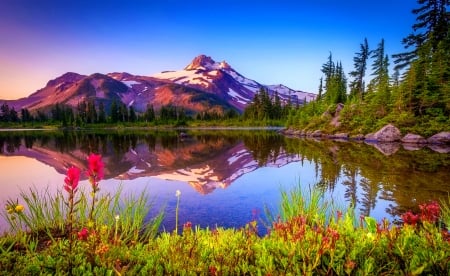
pixel 388 133
pixel 413 139
pixel 440 138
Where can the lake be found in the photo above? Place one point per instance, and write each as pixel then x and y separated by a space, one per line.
pixel 228 176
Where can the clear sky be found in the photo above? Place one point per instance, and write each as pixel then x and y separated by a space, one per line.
pixel 271 42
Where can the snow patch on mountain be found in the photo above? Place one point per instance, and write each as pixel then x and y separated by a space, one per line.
pixel 237 97
pixel 130 83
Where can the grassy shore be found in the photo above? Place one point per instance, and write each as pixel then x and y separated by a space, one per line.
pixel 78 232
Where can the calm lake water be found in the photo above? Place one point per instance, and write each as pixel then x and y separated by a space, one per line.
pixel 227 177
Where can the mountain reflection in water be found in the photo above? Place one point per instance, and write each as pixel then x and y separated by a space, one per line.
pixel 375 183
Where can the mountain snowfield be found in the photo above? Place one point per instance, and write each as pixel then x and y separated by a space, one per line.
pixel 203 85
pixel 203 71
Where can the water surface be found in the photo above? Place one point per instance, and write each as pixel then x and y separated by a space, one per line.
pixel 227 177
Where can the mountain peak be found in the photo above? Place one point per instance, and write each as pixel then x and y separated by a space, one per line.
pixel 206 62
pixel 67 77
pixel 200 61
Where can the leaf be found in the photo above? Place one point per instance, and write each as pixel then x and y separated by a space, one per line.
pixel 418 270
pixel 371 224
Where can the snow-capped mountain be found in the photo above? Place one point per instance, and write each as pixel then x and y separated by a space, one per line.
pixel 219 77
pixel 203 85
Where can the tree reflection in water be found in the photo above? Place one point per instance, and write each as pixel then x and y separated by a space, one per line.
pixel 404 179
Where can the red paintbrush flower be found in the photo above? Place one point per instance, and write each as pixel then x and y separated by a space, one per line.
pixel 71 180
pixel 83 234
pixel 410 218
pixel 95 171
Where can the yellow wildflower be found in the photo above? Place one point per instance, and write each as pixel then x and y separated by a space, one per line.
pixel 19 208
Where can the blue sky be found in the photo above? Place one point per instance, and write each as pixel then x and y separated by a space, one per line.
pixel 269 41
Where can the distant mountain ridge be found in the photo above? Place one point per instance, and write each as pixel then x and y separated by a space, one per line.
pixel 203 85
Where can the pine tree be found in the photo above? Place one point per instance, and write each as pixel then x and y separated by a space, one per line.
pixel 132 114
pixel 432 24
pixel 357 86
pixel 380 67
pixel 150 113
pixel 101 113
pixel 319 95
pixel 114 111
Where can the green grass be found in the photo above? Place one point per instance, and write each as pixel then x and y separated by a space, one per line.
pixel 307 237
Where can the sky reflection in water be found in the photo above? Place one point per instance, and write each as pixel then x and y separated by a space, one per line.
pixel 227 178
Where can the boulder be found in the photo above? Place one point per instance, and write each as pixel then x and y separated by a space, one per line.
pixel 343 136
pixel 440 138
pixel 358 137
pixel 413 139
pixel 388 133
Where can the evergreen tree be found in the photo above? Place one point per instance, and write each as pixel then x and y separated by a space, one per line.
pixel 101 113
pixel 150 114
pixel 114 111
pixel 335 82
pixel 13 116
pixel 4 113
pixel 319 95
pixel 357 86
pixel 380 68
pixel 328 70
pixel 25 115
pixel 91 113
pixel 132 114
pixel 432 25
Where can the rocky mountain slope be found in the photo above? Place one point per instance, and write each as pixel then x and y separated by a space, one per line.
pixel 203 85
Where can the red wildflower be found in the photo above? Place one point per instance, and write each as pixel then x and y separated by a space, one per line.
pixel 72 178
pixel 187 225
pixel 430 211
pixel 410 218
pixel 95 171
pixel 83 234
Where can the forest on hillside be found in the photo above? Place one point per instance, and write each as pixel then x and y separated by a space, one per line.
pixel 415 97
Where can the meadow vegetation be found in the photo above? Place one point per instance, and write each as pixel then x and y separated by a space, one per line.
pixel 79 232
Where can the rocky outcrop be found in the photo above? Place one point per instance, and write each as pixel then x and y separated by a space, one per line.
pixel 343 136
pixel 413 139
pixel 440 138
pixel 388 133
pixel 336 116
pixel 386 140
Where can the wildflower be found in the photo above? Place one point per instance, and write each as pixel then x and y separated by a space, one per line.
pixel 72 178
pixel 9 209
pixel 95 174
pixel 187 225
pixel 178 193
pixel 19 208
pixel 95 171
pixel 117 217
pixel 102 249
pixel 83 234
pixel 430 212
pixel 410 218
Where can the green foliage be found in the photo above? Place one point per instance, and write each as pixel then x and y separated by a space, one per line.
pixel 265 107
pixel 419 102
pixel 309 239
